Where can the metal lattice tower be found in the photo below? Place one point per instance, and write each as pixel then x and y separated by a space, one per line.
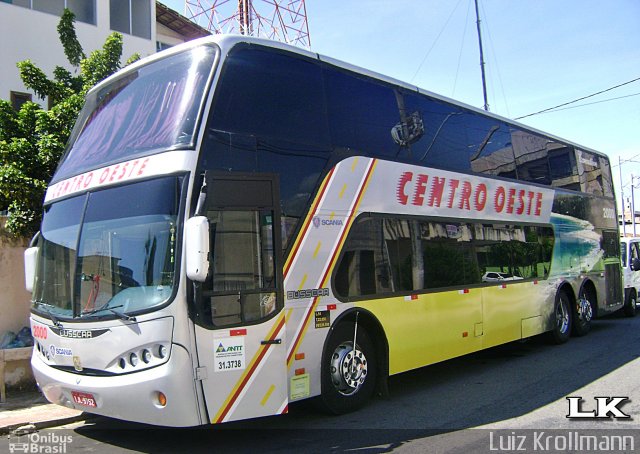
pixel 279 20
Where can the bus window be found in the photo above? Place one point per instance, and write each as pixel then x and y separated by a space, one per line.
pixel 590 173
pixel 269 94
pixel 448 255
pixel 362 113
pixel 364 268
pixel 241 287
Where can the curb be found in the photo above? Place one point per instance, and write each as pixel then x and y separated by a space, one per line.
pixel 36 426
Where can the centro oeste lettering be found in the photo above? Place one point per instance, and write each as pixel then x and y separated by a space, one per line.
pixel 427 190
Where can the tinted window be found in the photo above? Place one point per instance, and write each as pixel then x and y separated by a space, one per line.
pixel 151 109
pixel 386 255
pixel 272 95
pixel 361 113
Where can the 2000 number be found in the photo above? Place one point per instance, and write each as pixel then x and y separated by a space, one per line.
pixel 230 364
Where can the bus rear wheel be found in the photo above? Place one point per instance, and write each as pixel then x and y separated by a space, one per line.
pixel 348 374
pixel 630 304
pixel 561 319
pixel 582 314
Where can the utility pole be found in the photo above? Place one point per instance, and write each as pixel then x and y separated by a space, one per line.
pixel 624 220
pixel 484 82
pixel 633 206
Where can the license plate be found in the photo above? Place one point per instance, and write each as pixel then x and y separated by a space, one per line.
pixel 85 399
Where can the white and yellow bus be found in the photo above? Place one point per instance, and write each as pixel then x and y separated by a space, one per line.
pixel 238 224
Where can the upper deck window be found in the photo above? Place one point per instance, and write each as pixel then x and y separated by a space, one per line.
pixel 151 109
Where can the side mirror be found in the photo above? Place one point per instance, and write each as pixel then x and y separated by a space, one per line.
pixel 30 260
pixel 196 232
pixel 635 265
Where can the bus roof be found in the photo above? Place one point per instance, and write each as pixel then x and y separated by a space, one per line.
pixel 227 42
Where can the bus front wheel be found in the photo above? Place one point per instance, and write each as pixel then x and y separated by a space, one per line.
pixel 348 374
pixel 561 319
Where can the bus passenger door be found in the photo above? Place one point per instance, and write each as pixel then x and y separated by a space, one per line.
pixel 240 340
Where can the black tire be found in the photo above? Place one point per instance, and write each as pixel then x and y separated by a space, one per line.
pixel 582 314
pixel 344 389
pixel 630 304
pixel 561 319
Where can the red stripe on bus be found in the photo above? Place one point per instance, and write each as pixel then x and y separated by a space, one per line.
pixel 332 261
pixel 250 373
pixel 308 222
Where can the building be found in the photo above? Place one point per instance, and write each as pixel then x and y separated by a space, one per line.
pixel 29 30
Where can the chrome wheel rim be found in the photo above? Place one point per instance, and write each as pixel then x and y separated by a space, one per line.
pixel 562 317
pixel 348 369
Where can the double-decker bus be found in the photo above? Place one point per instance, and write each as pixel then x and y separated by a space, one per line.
pixel 238 224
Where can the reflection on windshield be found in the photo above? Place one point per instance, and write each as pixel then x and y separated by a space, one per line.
pixel 153 108
pixel 122 255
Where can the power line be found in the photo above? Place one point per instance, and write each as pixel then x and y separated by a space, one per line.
pixel 576 100
pixel 435 41
pixel 594 102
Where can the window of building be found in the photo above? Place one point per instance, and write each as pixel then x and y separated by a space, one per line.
pixel 160 46
pixel 131 16
pixel 84 10
pixel 18 99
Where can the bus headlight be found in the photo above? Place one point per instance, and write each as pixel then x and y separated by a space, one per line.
pixel 162 352
pixel 146 356
pixel 133 359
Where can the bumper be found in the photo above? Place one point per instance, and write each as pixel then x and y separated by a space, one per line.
pixel 131 397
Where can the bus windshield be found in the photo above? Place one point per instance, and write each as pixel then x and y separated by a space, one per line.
pixel 145 111
pixel 108 252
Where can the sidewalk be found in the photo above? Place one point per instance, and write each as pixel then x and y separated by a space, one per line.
pixel 31 408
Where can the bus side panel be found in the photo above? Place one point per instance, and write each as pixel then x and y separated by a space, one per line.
pixel 509 307
pixel 425 329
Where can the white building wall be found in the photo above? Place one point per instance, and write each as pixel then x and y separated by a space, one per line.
pixel 30 34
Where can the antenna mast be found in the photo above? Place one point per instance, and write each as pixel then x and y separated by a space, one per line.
pixel 484 82
pixel 279 20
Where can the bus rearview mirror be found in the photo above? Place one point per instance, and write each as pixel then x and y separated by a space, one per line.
pixel 30 259
pixel 196 232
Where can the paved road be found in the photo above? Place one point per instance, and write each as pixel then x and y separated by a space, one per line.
pixel 517 386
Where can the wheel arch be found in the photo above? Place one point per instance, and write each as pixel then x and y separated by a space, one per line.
pixel 374 328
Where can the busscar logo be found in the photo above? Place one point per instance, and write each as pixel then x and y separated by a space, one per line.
pixel 307 293
pixel 78 333
pixel 605 408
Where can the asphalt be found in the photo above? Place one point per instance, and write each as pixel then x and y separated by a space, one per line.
pixel 28 411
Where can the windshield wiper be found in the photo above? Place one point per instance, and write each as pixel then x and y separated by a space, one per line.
pixel 119 314
pixel 53 318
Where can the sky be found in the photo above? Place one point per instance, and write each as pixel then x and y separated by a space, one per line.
pixel 538 54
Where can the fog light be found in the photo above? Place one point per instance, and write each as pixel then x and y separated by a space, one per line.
pixel 162 399
pixel 133 359
pixel 146 356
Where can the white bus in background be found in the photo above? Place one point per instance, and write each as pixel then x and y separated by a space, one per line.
pixel 630 258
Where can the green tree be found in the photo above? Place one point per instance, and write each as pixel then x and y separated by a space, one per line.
pixel 32 140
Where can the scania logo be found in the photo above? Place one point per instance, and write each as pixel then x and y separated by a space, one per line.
pixel 318 221
pixel 78 333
